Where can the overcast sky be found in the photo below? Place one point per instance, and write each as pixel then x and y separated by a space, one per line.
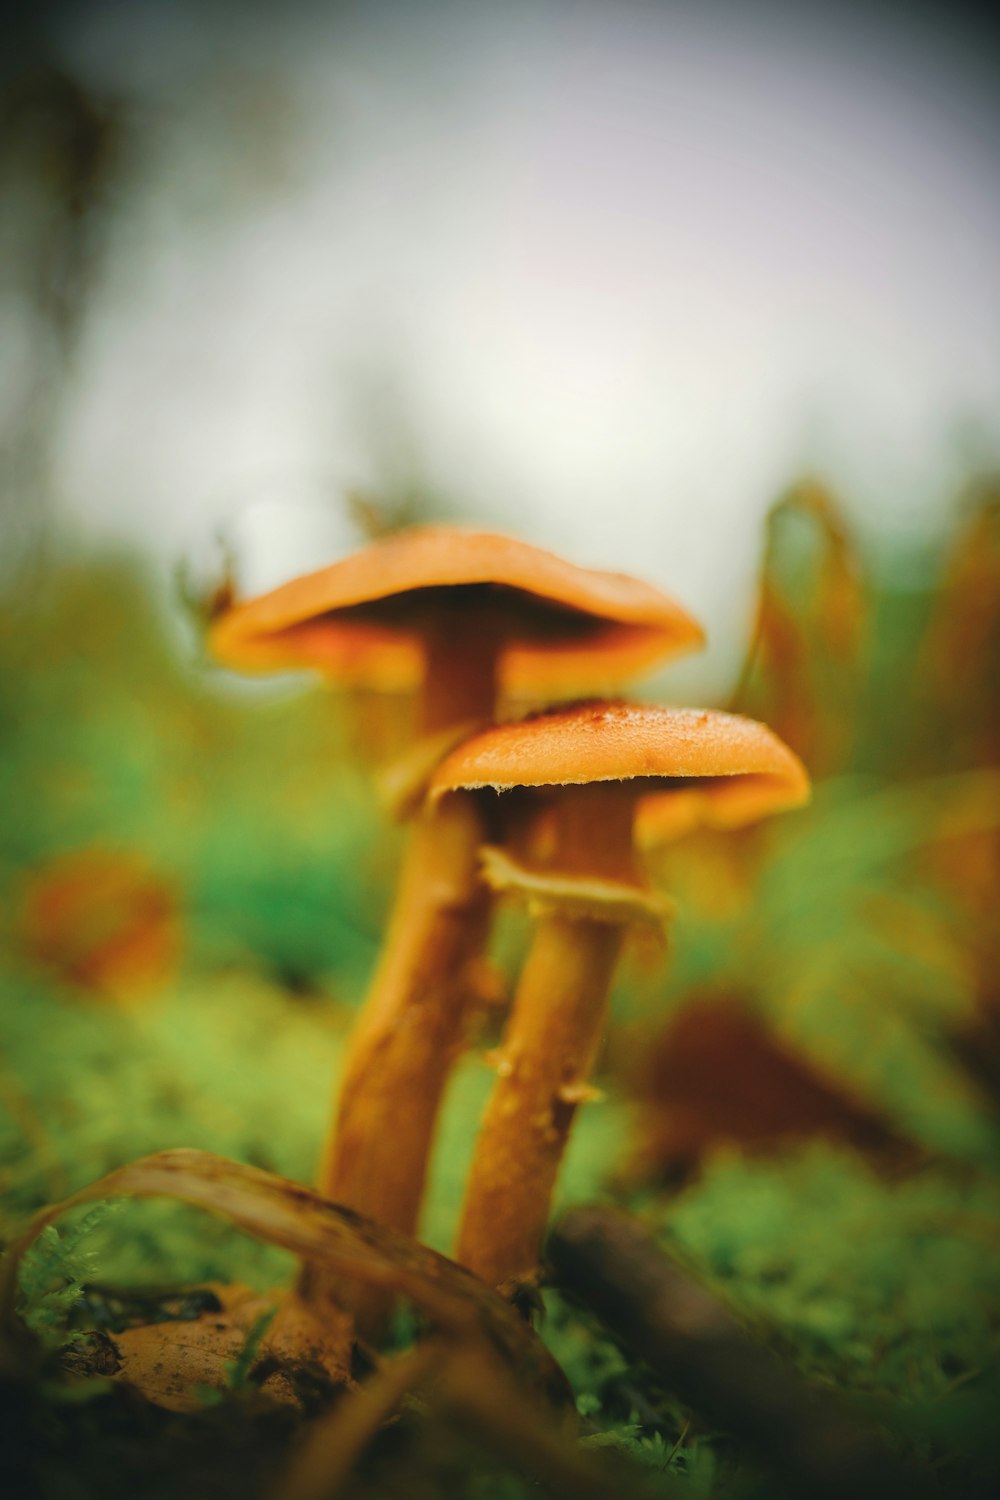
pixel 608 274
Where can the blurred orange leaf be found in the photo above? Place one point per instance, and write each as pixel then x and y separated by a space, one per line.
pixel 803 667
pixel 103 921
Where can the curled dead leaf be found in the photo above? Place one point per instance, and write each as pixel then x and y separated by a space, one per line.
pixel 324 1234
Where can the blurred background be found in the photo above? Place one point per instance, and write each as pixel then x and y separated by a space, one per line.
pixel 707 293
pixel 607 275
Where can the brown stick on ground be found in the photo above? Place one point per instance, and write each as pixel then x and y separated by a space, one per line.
pixel 466 1387
pixel 609 1262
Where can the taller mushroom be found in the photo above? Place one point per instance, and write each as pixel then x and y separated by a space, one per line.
pixel 463 618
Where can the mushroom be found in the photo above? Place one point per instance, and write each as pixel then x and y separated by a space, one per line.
pixel 462 615
pixel 459 616
pixel 598 768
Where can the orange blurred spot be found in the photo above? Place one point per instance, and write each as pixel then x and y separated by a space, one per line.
pixel 102 921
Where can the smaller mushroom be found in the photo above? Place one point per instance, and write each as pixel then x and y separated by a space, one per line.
pixel 591 766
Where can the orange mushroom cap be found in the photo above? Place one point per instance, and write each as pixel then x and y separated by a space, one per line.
pixel 737 767
pixel 563 627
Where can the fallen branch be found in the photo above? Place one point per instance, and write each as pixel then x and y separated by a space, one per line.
pixel 608 1262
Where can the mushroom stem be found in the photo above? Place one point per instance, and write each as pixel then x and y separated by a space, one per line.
pixel 411 1027
pixel 405 1043
pixel 549 1046
pixel 546 1057
pixel 461 662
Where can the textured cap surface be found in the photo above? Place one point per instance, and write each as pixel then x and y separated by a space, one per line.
pixel 360 619
pixel 737 767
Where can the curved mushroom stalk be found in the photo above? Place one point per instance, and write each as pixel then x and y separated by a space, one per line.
pixel 412 1025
